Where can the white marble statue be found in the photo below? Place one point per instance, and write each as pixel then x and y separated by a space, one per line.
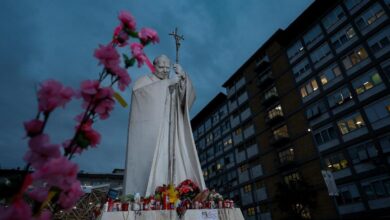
pixel 160 148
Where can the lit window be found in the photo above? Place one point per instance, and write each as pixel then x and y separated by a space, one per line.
pixel 308 88
pixel 281 132
pixel 370 16
pixel 336 162
pixel 286 155
pixel 291 177
pixel 275 112
pixel 343 37
pixel 339 97
pixel 329 74
pixel 355 57
pixel 350 123
pixel 367 81
pixel 251 211
pixel 295 51
pixel 248 188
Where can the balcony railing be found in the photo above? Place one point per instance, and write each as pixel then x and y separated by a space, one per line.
pixel 279 139
pixel 270 99
pixel 274 119
pixel 265 80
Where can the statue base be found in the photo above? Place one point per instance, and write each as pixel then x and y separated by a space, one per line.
pixel 191 214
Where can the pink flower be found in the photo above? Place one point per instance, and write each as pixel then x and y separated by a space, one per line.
pixel 89 134
pixel 148 35
pixel 120 37
pixel 53 94
pixel 88 89
pixel 104 102
pixel 41 151
pixel 39 194
pixel 69 197
pixel 19 210
pixel 127 20
pixel 123 78
pixel 33 127
pixel 58 172
pixel 108 56
pixel 139 55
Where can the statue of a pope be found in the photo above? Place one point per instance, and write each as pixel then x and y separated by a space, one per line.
pixel 160 148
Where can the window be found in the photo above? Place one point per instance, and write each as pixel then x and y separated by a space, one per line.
pixel 354 5
pixel 343 38
pixel 227 142
pixel 219 148
pixel 225 126
pixel 248 188
pixel 217 132
pixel 329 74
pixel 302 69
pixel 286 155
pixel 313 36
pixel 348 194
pixel 377 188
pixel 315 110
pixel 336 162
pixel 295 51
pixel 210 152
pixel 208 124
pixel 362 152
pixel 350 123
pixel 334 18
pixel 378 111
pixel 275 112
pixel 223 111
pixel 369 17
pixel 385 144
pixel 339 97
pixel 387 2
pixel 209 139
pixel 325 135
pixel 308 88
pixel 321 55
pixel 386 68
pixel 367 82
pixel 281 132
pixel 292 177
pixel 271 93
pixel 380 42
pixel 251 211
pixel 354 57
pixel 201 130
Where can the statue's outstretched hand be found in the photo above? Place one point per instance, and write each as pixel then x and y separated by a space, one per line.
pixel 179 70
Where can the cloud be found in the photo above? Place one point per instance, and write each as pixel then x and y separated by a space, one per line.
pixel 55 39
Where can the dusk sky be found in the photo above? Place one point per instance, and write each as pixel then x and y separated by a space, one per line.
pixel 52 39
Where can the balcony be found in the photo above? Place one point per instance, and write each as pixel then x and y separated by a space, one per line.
pixel 275 119
pixel 265 80
pixel 270 99
pixel 286 165
pixel 279 139
pixel 262 64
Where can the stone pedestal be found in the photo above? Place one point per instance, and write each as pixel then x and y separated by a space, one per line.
pixel 191 214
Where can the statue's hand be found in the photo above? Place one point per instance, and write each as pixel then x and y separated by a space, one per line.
pixel 179 70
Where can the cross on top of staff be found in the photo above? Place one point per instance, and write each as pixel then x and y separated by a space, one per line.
pixel 177 41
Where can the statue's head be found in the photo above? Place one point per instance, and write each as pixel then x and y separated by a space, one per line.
pixel 162 65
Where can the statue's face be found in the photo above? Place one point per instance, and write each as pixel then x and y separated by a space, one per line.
pixel 162 67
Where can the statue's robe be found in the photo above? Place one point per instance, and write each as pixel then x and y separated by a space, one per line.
pixel 147 155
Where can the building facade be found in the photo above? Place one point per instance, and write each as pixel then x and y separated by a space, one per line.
pixel 314 97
